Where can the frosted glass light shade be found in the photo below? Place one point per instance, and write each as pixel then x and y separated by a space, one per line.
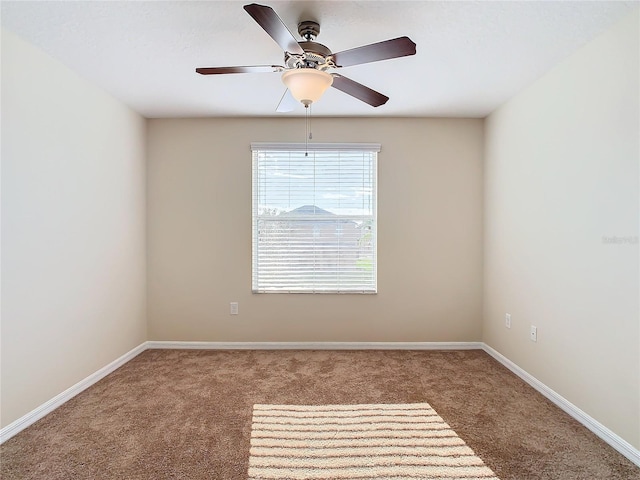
pixel 307 84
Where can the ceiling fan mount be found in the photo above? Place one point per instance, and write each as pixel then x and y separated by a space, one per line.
pixel 310 55
pixel 309 30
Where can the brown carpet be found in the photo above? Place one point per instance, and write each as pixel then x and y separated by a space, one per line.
pixel 187 414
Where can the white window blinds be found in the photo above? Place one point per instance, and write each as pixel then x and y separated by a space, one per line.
pixel 314 218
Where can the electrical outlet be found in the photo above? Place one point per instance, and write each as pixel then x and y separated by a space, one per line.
pixel 234 308
pixel 533 334
pixel 507 320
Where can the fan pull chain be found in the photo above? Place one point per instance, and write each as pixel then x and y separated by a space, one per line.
pixel 307 129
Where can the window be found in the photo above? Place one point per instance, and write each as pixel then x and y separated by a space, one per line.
pixel 314 218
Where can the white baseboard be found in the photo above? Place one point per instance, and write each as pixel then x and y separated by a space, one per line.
pixel 49 406
pixel 615 441
pixel 315 345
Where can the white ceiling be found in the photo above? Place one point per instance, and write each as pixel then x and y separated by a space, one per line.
pixel 471 56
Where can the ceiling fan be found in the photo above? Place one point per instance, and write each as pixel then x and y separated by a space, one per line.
pixel 306 62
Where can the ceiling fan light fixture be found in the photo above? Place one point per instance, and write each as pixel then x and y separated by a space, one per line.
pixel 307 84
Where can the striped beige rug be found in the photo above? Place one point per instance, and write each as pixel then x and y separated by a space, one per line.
pixel 357 442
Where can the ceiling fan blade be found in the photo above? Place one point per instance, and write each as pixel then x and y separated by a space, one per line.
pixel 287 102
pixel 269 20
pixel 359 91
pixel 249 69
pixel 397 47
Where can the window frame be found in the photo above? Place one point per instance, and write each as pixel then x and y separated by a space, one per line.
pixel 261 147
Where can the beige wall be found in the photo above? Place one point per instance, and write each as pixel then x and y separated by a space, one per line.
pixel 429 234
pixel 561 170
pixel 73 229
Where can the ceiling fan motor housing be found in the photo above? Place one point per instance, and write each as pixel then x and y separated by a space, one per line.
pixel 315 56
